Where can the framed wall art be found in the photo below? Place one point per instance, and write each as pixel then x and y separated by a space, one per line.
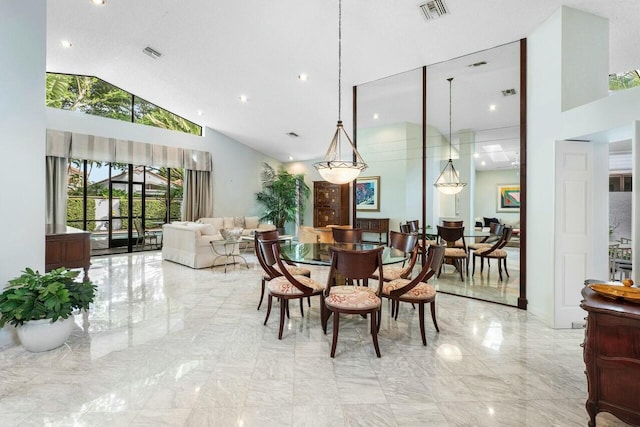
pixel 368 194
pixel 508 198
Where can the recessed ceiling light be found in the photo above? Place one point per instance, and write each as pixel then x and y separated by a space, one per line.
pixel 375 116
pixel 243 98
pixel 65 43
pixel 303 77
pixel 98 2
pixel 492 107
pixel 199 112
pixel 476 155
pixel 483 163
pixel 290 157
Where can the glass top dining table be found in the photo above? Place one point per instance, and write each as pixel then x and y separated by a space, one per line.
pixel 318 253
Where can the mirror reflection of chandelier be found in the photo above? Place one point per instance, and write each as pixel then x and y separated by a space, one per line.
pixel 448 181
pixel 334 168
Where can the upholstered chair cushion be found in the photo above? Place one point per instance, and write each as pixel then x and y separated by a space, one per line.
pixel 392 272
pixel 476 246
pixel 295 270
pixel 422 291
pixel 498 253
pixel 454 253
pixel 282 286
pixel 352 297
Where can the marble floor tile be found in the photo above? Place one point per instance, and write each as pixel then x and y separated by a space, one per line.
pixel 164 344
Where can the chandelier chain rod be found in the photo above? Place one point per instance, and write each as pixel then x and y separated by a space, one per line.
pixel 339 59
pixel 450 142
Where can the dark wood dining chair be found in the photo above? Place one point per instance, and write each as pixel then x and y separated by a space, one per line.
pixel 347 235
pixel 457 256
pixel 417 291
pixel 407 243
pixel 494 252
pixel 495 234
pixel 267 275
pixel 284 286
pixel 414 226
pixel 353 266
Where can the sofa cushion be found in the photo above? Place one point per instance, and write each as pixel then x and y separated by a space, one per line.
pixel 227 222
pixel 488 221
pixel 238 221
pixel 251 222
pixel 208 230
pixel 199 228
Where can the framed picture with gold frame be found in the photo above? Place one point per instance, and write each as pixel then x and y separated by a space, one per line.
pixel 368 194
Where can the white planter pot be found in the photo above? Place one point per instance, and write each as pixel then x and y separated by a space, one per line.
pixel 42 335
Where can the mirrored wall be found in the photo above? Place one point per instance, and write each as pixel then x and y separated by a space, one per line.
pixel 408 126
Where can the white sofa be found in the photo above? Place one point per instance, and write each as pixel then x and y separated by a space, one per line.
pixel 188 243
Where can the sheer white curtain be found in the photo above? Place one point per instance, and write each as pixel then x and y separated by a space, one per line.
pixel 58 149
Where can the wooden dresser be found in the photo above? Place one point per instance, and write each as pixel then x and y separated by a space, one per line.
pixel 379 226
pixel 612 356
pixel 67 247
pixel 330 204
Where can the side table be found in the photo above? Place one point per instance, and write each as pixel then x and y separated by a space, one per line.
pixel 228 253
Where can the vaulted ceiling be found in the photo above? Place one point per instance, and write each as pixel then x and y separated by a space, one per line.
pixel 215 51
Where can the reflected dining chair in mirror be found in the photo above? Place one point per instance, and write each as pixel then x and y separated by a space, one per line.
pixel 347 235
pixel 285 286
pixel 495 251
pixel 274 271
pixel 417 291
pixel 353 266
pixel 495 233
pixel 407 243
pixel 453 254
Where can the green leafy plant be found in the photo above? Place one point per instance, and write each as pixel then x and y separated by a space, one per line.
pixel 283 195
pixel 35 296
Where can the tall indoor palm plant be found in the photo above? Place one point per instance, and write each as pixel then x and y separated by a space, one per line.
pixel 283 195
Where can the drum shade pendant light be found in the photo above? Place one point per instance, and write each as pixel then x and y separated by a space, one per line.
pixel 449 181
pixel 333 167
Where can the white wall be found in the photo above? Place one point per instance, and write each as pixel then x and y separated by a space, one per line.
pixel 236 167
pixel 22 136
pixel 486 193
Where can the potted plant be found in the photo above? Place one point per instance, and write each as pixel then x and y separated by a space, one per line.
pixel 283 195
pixel 40 306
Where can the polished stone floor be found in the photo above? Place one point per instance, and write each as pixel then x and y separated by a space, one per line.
pixel 168 345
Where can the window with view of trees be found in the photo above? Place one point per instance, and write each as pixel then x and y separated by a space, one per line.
pixel 623 81
pixel 92 95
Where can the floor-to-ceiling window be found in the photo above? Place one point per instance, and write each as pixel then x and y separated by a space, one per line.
pixel 122 205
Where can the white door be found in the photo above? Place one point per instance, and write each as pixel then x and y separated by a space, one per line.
pixel 579 209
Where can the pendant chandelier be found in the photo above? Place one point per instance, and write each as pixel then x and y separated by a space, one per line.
pixel 333 167
pixel 449 181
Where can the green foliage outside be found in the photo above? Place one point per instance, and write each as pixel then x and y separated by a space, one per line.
pixel 624 80
pixel 92 95
pixel 155 209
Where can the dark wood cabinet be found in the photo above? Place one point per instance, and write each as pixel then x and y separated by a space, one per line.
pixel 330 204
pixel 612 356
pixel 380 226
pixel 67 247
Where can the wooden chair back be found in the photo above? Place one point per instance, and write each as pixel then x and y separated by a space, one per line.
pixel 264 253
pixel 355 265
pixel 405 228
pixel 449 235
pixel 414 226
pixel 446 223
pixel 347 235
pixel 507 232
pixel 405 242
pixel 435 257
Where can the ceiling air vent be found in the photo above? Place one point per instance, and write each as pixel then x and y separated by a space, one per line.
pixel 292 134
pixel 433 9
pixel 477 64
pixel 152 52
pixel 508 92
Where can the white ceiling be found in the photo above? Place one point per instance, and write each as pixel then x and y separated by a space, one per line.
pixel 214 51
